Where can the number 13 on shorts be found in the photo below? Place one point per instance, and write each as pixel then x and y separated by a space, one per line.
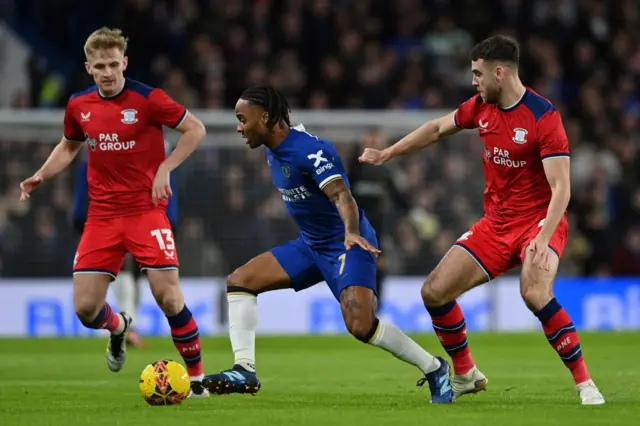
pixel 164 237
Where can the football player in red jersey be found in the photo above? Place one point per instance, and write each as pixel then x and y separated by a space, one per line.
pixel 121 123
pixel 526 165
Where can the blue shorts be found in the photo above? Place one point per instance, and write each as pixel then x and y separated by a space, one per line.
pixel 307 266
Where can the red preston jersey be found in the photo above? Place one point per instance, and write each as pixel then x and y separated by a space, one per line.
pixel 516 140
pixel 125 142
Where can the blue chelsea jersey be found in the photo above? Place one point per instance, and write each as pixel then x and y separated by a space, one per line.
pixel 301 166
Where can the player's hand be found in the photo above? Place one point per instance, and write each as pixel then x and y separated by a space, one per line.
pixel 374 156
pixel 539 248
pixel 351 240
pixel 161 187
pixel 28 185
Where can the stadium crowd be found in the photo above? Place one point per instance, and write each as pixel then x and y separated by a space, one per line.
pixel 584 55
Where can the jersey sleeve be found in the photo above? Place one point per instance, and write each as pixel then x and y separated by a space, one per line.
pixel 165 111
pixel 552 137
pixel 465 116
pixel 322 162
pixel 72 129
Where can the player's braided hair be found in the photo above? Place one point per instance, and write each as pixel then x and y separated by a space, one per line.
pixel 273 102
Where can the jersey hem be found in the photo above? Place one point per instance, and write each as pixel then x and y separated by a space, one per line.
pixel 121 214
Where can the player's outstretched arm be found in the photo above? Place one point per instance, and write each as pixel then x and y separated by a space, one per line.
pixel 61 156
pixel 338 192
pixel 425 135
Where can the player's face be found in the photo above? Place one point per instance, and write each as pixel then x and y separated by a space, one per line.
pixel 107 67
pixel 252 122
pixel 486 79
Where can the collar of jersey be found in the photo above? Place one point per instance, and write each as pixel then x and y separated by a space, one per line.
pixel 293 135
pixel 117 95
pixel 522 98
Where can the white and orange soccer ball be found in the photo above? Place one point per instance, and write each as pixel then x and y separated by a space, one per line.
pixel 165 382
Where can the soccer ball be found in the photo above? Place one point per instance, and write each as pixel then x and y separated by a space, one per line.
pixel 164 382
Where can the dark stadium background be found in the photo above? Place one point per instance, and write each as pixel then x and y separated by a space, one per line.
pixel 584 55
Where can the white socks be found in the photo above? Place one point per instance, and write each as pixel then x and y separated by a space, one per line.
pixel 393 340
pixel 124 288
pixel 243 321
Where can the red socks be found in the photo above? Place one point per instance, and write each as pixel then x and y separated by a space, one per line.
pixel 451 329
pixel 563 337
pixel 186 338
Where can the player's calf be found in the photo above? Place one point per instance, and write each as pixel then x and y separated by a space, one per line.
pixel 262 273
pixel 184 329
pixel 89 294
pixel 456 273
pixel 358 309
pixel 536 288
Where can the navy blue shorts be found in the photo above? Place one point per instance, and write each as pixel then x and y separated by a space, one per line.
pixel 307 266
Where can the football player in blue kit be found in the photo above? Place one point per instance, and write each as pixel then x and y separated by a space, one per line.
pixel 337 244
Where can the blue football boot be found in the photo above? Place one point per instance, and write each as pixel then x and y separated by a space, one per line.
pixel 235 380
pixel 439 383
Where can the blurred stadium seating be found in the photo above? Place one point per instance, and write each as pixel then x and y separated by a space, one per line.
pixel 369 54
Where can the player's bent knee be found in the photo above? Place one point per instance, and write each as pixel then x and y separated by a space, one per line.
pixel 170 301
pixel 87 306
pixel 434 291
pixel 536 286
pixel 242 281
pixel 87 311
pixel 234 279
pixel 535 296
pixel 362 329
pixel 89 295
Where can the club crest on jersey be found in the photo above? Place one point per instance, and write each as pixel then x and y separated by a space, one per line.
pixel 520 136
pixel 129 116
pixel 91 142
pixel 286 171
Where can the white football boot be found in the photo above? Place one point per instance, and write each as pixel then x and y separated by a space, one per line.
pixel 117 346
pixel 472 382
pixel 589 393
pixel 198 390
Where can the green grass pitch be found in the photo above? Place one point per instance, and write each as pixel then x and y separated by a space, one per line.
pixel 320 381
